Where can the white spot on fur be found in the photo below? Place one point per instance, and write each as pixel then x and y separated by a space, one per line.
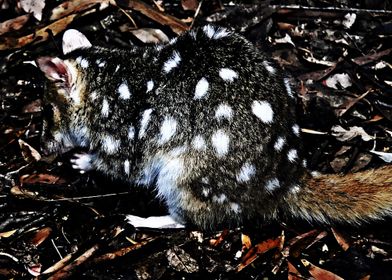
pixel 84 63
pixel 288 87
pixel 279 144
pixel 206 191
pixel 220 141
pixel 131 133
pixel 126 167
pixel 172 62
pixel 292 155
pixel 123 90
pixel 269 68
pixel 296 129
pixel 272 184
pixel 146 116
pixel 295 189
pixel 201 88
pixel 105 108
pixel 168 129
pixel 211 33
pixel 150 85
pixel 117 67
pixel 228 74
pixel 93 95
pixel 223 111
pixel 235 207
pixel 100 63
pixel 209 30
pixel 247 171
pixel 263 111
pixel 219 199
pixel 304 163
pixel 110 144
pixel 205 180
pixel 198 143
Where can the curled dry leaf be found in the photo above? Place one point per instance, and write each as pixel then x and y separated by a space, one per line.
pixel 33 6
pixel 345 135
pixel 29 153
pixel 181 261
pixel 338 81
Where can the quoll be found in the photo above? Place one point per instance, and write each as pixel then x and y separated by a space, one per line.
pixel 207 120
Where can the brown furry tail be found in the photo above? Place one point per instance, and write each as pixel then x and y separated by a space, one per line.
pixel 352 198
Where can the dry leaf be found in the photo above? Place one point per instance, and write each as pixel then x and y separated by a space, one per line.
pixel 150 35
pixel 181 261
pixel 293 273
pixel 41 179
pixel 257 250
pixel 338 81
pixel 189 5
pixel 40 236
pixel 29 153
pixel 33 6
pixel 345 135
pixel 13 24
pixel 342 241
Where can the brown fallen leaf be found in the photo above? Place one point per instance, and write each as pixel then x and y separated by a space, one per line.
pixel 246 242
pixel 174 23
pixel 189 5
pixel 342 240
pixel 257 250
pixel 13 24
pixel 28 152
pixel 33 107
pixel 38 36
pixel 41 178
pixel 319 273
pixel 76 6
pixel 40 236
pixel 293 273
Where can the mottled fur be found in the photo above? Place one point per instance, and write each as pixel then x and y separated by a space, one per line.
pixel 207 120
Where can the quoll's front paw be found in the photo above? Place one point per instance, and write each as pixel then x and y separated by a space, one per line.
pixel 82 162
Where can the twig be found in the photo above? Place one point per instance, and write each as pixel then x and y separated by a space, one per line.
pixel 196 14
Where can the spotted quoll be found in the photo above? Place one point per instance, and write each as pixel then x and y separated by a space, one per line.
pixel 207 120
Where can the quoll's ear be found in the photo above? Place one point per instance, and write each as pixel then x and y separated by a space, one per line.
pixel 55 69
pixel 73 40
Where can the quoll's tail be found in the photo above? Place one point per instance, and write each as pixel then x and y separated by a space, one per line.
pixel 353 198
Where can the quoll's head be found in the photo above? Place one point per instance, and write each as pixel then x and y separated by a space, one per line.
pixel 63 97
pixel 61 101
